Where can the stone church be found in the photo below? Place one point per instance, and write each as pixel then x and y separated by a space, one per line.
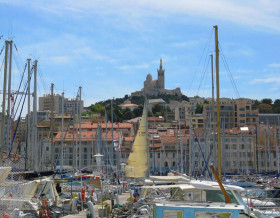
pixel 156 87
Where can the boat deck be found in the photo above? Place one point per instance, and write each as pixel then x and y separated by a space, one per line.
pixel 123 198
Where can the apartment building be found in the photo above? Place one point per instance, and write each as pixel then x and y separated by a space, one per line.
pixel 70 105
pixel 197 121
pixel 184 112
pixel 238 151
pixel 233 113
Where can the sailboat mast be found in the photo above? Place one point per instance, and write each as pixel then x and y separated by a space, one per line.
pixel 35 143
pixel 62 132
pixel 9 94
pixel 51 129
pixel 80 128
pixel 218 102
pixel 28 150
pixel 212 74
pixel 112 131
pixel 3 147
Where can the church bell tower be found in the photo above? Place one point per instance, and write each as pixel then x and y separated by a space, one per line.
pixel 161 76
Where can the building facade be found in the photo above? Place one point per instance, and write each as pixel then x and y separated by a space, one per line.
pixel 233 113
pixel 70 105
pixel 184 112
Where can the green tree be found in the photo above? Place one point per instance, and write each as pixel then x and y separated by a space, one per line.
pixel 267 101
pixel 138 111
pixel 199 109
pixel 265 108
pixel 276 106
pixel 158 110
pixel 98 108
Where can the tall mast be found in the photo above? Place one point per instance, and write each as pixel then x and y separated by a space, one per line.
pixel 35 143
pixel 80 127
pixel 28 149
pixel 112 130
pixel 212 73
pixel 218 102
pixel 9 95
pixel 106 143
pixel 181 142
pixel 51 129
pixel 3 146
pixel 62 132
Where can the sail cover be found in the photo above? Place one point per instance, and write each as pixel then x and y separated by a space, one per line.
pixel 137 163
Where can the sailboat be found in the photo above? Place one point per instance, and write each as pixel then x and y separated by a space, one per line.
pixel 137 163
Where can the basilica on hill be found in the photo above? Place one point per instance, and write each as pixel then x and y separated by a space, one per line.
pixel 156 87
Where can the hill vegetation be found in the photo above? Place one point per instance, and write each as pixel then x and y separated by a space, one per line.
pixel 103 108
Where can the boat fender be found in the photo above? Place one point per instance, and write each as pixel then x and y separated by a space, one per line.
pixel 5 215
pixel 91 208
pixel 83 194
pixel 251 203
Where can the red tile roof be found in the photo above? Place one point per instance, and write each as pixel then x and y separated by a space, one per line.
pixel 86 136
pixel 129 139
pixel 156 119
pixel 89 125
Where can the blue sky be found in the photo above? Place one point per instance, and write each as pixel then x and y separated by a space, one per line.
pixel 108 47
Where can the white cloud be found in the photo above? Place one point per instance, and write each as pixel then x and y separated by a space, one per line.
pixel 186 44
pixel 60 59
pixel 267 80
pixel 132 67
pixel 275 65
pixel 259 13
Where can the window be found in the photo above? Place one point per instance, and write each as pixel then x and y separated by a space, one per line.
pixel 158 155
pixel 241 109
pixel 218 196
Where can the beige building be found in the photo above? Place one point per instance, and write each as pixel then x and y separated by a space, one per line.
pixel 198 121
pixel 70 105
pixel 45 103
pixel 184 112
pixel 233 113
